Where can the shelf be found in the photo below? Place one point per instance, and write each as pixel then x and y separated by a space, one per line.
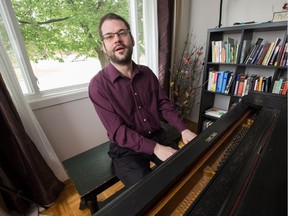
pixel 236 37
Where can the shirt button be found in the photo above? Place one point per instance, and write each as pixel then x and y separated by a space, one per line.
pixel 135 93
pixel 149 132
pixel 144 119
pixel 139 107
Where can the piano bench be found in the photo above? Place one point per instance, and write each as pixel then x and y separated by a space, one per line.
pixel 91 172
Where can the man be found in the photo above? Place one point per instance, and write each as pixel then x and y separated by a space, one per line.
pixel 130 103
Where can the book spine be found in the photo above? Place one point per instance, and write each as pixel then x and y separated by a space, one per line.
pixel 236 84
pixel 267 56
pixel 225 80
pixel 263 53
pixel 244 51
pixel 257 54
pixel 241 85
pixel 210 80
pixel 229 83
pixel 219 81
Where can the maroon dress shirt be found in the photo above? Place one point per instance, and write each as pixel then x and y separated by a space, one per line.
pixel 130 109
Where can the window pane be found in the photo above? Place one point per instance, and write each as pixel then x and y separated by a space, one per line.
pixel 72 71
pixel 19 73
pixel 61 38
pixel 140 32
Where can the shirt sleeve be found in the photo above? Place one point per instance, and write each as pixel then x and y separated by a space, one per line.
pixel 118 132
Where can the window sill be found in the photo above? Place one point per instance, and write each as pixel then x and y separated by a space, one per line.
pixel 52 99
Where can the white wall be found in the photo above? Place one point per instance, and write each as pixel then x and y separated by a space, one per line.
pixel 73 127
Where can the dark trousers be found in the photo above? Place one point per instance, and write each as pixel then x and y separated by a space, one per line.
pixel 130 166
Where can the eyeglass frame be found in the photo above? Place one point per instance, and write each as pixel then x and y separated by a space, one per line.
pixel 125 32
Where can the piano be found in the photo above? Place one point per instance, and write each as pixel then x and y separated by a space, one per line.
pixel 237 166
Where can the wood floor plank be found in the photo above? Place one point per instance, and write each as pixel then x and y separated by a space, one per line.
pixel 68 202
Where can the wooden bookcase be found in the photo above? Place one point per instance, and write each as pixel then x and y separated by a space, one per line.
pixel 269 32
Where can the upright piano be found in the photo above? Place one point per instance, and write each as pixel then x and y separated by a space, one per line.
pixel 237 166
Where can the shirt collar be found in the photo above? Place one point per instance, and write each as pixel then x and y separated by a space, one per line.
pixel 114 73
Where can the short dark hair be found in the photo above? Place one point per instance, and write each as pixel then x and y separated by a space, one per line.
pixel 111 16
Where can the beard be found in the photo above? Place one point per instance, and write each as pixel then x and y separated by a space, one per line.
pixel 124 59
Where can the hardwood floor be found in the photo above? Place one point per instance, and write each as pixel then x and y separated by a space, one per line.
pixel 68 202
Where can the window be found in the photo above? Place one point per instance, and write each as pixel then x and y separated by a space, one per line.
pixel 61 40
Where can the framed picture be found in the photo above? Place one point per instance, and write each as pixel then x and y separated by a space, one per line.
pixel 280 16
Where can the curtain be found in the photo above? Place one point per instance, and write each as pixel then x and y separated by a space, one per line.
pixel 31 124
pixel 22 167
pixel 176 29
pixel 165 11
pixel 150 27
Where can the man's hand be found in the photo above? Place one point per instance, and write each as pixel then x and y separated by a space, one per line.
pixel 163 152
pixel 187 136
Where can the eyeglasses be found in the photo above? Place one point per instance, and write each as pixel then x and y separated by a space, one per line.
pixel 122 33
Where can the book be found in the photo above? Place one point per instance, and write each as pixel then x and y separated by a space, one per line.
pixel 236 84
pixel 268 83
pixel 270 51
pixel 215 112
pixel 285 88
pixel 276 44
pixel 214 83
pixel 219 81
pixel 274 55
pixel 263 53
pixel 241 85
pixel 254 49
pixel 244 51
pixel 284 55
pixel 276 82
pixel 279 85
pixel 231 50
pixel 247 86
pixel 244 87
pixel 257 54
pixel 278 58
pixel 225 80
pixel 229 83
pixel 210 81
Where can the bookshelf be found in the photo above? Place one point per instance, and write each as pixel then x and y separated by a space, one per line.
pixel 235 52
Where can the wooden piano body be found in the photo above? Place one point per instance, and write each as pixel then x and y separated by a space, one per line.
pixel 237 166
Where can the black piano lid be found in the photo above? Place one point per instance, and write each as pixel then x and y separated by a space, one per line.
pixel 140 198
pixel 253 181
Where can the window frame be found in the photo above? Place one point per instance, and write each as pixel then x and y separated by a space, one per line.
pixel 38 99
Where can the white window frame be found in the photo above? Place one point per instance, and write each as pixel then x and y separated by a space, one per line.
pixel 39 99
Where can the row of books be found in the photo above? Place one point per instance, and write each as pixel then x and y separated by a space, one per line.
pixel 245 83
pixel 269 53
pixel 223 81
pixel 220 81
pixel 225 51
pixel 280 86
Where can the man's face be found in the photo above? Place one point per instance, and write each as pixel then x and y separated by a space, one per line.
pixel 118 47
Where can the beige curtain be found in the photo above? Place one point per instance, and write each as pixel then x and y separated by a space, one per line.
pixel 176 30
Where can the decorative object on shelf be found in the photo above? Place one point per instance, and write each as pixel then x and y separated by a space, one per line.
pixel 185 78
pixel 282 15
